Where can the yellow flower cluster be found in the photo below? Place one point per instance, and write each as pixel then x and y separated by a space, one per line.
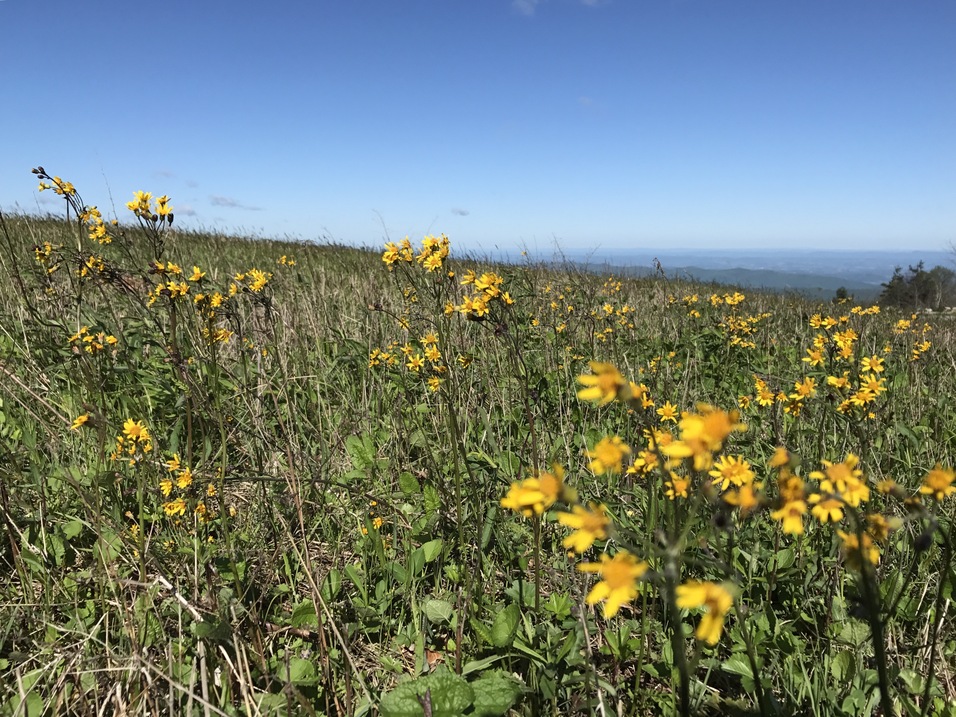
pixel 59 186
pixel 133 443
pixel 433 253
pixel 182 478
pixel 254 280
pixel 91 342
pixel 487 292
pixel 142 207
pixel 47 255
pixel 96 227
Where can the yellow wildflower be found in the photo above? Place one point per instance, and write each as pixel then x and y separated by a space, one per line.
pixel 538 493
pixel 856 550
pixel 730 470
pixel 589 524
pixel 604 385
pixel 938 483
pixel 791 516
pixel 607 455
pixel 716 601
pixel 175 507
pixel 668 412
pixel 619 578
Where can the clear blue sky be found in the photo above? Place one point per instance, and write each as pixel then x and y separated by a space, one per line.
pixel 502 123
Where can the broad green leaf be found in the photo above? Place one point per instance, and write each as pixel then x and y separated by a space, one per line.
pixel 505 626
pixel 432 549
pixel 438 611
pixel 304 615
pixel 301 672
pixel 495 693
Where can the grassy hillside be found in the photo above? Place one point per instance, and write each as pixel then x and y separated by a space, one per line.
pixel 256 477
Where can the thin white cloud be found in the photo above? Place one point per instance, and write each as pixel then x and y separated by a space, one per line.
pixel 185 210
pixel 525 7
pixel 585 101
pixel 217 200
pixel 163 174
pixel 460 212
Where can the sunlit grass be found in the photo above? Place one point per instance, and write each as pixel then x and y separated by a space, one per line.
pixel 261 477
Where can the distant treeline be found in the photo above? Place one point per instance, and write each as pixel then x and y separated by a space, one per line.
pixel 919 289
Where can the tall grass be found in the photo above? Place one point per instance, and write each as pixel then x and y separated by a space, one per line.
pixel 295 498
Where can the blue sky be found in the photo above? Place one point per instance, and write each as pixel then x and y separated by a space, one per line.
pixel 503 123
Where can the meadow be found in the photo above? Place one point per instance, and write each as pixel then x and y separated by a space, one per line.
pixel 254 477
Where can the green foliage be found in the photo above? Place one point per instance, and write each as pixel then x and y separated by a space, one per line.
pixel 312 522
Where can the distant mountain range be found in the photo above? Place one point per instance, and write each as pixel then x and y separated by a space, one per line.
pixel 813 273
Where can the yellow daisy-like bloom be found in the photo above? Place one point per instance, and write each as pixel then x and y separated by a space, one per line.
pixel 879 526
pixel 814 357
pixel 856 551
pixel 714 598
pixel 873 364
pixel 619 578
pixel 604 385
pixel 746 498
pixel 826 508
pixel 184 479
pixel 805 388
pixel 780 457
pixel 607 455
pixel 79 421
pixel 175 507
pixel 938 483
pixel 677 486
pixel 846 479
pixel 163 207
pixel 166 487
pixel 537 494
pixel 136 431
pixel 731 470
pixel 668 412
pixel 702 434
pixel 791 515
pixel 589 524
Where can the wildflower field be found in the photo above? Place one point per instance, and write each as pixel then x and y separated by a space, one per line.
pixel 246 477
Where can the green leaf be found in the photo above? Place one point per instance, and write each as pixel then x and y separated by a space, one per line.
pixel 447 694
pixel 785 558
pixel 304 615
pixel 301 672
pixel 505 626
pixel 416 562
pixel 73 528
pixel 432 499
pixel 737 665
pixel 211 630
pixel 353 573
pixel 478 665
pixel 495 693
pixel 432 549
pixel 438 611
pixel 331 585
pixel 409 484
pixel 843 666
